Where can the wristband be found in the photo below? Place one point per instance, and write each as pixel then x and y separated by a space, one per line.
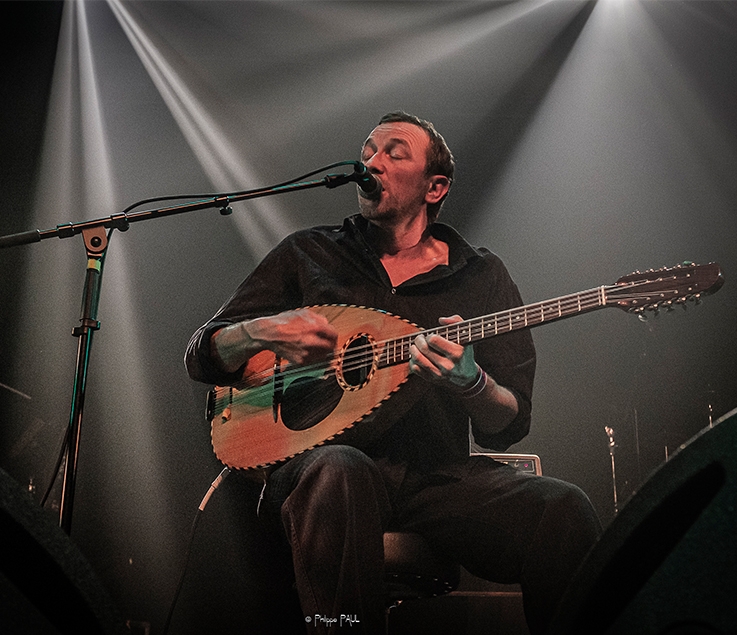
pixel 477 387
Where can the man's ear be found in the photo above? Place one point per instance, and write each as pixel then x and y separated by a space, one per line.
pixel 438 188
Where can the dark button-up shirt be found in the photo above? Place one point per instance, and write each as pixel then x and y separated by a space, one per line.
pixel 336 265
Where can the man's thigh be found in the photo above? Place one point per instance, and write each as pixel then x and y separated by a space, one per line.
pixel 485 514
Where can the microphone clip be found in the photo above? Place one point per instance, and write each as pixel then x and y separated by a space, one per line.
pixel 369 186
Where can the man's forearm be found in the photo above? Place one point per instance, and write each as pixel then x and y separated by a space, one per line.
pixel 300 336
pixel 492 407
pixel 232 346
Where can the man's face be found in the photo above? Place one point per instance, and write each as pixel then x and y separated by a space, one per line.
pixel 396 154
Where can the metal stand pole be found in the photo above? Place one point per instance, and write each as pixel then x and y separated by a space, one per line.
pixel 96 243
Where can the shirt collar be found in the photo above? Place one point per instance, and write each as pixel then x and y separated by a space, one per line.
pixel 460 252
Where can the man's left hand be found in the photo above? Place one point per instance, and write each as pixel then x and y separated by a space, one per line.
pixel 441 361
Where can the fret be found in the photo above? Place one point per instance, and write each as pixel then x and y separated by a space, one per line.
pixel 393 349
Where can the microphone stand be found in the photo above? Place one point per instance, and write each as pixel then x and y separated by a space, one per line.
pixel 96 241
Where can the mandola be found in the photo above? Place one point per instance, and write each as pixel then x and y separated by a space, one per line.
pixel 279 409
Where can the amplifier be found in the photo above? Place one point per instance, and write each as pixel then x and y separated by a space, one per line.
pixel 524 462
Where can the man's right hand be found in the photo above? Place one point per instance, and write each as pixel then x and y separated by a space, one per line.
pixel 300 336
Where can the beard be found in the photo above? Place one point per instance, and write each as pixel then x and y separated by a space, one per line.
pixel 372 209
pixel 387 209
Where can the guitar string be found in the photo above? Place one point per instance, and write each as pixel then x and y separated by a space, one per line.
pixel 363 356
pixel 503 322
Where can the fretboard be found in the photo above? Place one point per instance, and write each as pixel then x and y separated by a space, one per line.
pixel 396 351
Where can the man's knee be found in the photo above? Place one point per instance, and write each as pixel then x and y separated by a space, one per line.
pixel 338 472
pixel 339 462
pixel 570 512
pixel 573 500
pixel 338 483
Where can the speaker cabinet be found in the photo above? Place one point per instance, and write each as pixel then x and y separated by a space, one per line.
pixel 667 564
pixel 46 586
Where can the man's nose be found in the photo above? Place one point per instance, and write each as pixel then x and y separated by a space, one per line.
pixel 374 163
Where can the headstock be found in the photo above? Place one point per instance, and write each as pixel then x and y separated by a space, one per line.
pixel 664 288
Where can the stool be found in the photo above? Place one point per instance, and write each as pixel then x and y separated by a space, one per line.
pixel 413 571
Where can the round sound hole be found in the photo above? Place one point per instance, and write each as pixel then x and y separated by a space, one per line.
pixel 357 362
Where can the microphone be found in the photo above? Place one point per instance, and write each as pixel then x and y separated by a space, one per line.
pixel 369 186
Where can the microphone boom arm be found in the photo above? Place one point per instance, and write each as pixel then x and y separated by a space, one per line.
pixel 122 220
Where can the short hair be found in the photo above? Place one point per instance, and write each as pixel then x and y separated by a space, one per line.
pixel 439 157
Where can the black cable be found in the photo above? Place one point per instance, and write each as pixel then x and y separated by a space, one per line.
pixel 55 474
pixel 215 484
pixel 179 197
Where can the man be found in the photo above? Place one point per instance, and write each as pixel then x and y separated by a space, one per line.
pixel 334 502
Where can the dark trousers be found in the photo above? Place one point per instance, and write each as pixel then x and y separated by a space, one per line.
pixel 501 524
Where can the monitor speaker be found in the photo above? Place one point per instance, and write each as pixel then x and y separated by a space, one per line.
pixel 47 587
pixel 667 564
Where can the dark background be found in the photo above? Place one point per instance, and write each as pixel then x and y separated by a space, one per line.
pixel 592 139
